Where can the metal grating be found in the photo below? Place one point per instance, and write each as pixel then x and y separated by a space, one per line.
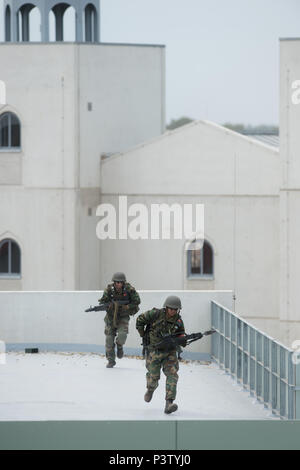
pixel 259 363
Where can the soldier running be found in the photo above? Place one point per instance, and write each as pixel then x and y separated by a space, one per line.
pixel 117 317
pixel 162 322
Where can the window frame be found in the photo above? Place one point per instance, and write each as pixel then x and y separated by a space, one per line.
pixel 11 148
pixel 9 274
pixel 201 275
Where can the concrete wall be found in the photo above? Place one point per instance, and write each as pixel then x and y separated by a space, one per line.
pixel 42 223
pixel 290 187
pixel 124 86
pixel 51 186
pixel 59 317
pixel 37 203
pixel 199 158
pixel 42 95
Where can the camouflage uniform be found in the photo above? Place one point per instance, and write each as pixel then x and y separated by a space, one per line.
pixel 157 359
pixel 117 319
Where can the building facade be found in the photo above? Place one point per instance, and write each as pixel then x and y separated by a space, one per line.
pixel 237 180
pixel 83 123
pixel 63 106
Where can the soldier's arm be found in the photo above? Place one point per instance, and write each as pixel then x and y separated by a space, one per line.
pixel 181 333
pixel 133 306
pixel 145 319
pixel 135 300
pixel 106 297
pixel 180 327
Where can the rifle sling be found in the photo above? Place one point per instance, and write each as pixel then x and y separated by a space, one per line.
pixel 115 317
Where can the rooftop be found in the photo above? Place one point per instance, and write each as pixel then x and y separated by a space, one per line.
pixel 77 386
pixel 269 139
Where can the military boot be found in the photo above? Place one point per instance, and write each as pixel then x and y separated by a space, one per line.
pixel 110 364
pixel 170 407
pixel 148 395
pixel 120 352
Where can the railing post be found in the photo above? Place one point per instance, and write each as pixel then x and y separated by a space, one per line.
pixel 297 391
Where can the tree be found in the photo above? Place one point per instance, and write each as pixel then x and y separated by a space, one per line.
pixel 179 122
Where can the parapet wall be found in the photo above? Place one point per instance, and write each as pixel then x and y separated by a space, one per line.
pixel 57 321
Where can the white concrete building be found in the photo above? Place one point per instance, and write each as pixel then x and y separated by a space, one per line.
pixel 80 101
pixel 237 180
pixel 63 105
pixel 250 191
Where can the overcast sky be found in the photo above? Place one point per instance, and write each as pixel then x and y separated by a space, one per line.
pixel 222 56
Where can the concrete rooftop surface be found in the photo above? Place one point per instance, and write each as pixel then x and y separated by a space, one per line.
pixel 77 386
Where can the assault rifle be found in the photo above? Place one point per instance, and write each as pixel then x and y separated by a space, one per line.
pixel 105 306
pixel 169 342
pixel 146 341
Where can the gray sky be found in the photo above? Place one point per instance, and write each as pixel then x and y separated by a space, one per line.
pixel 222 57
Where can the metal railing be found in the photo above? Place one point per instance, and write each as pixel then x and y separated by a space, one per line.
pixel 259 363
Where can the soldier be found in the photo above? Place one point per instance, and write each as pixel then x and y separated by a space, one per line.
pixel 117 317
pixel 162 322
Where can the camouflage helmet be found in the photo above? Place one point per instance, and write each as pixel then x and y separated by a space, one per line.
pixel 119 277
pixel 173 302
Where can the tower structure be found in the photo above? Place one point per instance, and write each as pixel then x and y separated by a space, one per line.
pixel 17 19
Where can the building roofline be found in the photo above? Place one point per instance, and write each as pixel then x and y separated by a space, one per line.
pixel 180 129
pixel 74 43
pixel 245 137
pixel 289 39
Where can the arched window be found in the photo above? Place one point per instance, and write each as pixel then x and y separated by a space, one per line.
pixel 10 258
pixel 10 131
pixel 64 22
pixel 91 23
pixel 23 29
pixel 200 261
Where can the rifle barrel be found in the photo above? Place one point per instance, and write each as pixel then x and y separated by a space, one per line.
pixel 104 306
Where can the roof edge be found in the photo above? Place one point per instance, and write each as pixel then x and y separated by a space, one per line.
pixel 180 129
pixel 75 43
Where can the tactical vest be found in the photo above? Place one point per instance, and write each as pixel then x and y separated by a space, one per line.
pixel 162 326
pixel 123 295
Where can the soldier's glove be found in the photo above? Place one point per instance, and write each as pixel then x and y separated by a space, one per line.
pixel 181 341
pixel 133 310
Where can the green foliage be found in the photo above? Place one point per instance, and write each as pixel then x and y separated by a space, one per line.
pixel 179 122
